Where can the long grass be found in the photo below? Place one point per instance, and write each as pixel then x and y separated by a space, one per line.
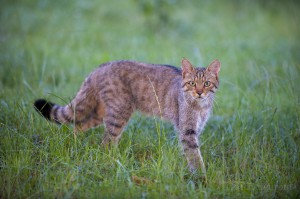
pixel 250 145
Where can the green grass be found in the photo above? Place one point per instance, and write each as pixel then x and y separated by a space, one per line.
pixel 250 145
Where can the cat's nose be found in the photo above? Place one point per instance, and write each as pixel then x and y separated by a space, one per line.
pixel 199 93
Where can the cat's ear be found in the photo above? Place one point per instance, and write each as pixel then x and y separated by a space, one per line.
pixel 214 67
pixel 187 67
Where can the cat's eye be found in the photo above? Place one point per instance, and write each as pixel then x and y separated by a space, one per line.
pixel 191 83
pixel 207 83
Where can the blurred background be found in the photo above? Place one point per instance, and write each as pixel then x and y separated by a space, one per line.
pixel 139 29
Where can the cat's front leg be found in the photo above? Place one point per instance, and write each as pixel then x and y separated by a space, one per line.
pixel 190 145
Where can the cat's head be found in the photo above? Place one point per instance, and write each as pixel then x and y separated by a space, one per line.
pixel 200 83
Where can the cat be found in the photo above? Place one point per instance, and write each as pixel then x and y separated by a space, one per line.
pixel 116 89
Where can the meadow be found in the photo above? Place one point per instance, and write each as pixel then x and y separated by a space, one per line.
pixel 250 145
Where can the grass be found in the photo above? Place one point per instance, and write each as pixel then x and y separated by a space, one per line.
pixel 250 145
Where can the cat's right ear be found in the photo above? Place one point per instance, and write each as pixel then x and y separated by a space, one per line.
pixel 186 66
pixel 214 67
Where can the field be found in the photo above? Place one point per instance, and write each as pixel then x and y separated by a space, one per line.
pixel 250 145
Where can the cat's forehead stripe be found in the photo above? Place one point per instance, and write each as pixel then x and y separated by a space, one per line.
pixel 199 73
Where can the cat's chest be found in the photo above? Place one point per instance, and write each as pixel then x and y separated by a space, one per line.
pixel 202 117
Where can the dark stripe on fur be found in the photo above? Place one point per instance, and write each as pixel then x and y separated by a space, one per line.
pixel 65 116
pixel 113 134
pixel 43 107
pixel 175 69
pixel 124 113
pixel 117 117
pixel 190 132
pixel 55 118
pixel 193 146
pixel 190 144
pixel 114 124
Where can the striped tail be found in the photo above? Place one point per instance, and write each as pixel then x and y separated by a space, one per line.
pixel 53 112
pixel 84 111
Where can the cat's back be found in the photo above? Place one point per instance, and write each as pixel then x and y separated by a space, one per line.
pixel 139 67
pixel 150 88
pixel 131 70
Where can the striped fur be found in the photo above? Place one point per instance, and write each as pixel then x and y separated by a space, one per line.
pixel 115 90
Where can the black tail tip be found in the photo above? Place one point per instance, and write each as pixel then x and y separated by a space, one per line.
pixel 43 107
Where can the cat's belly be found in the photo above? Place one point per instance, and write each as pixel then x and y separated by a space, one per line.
pixel 159 109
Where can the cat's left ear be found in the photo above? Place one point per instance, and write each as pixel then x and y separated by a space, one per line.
pixel 214 67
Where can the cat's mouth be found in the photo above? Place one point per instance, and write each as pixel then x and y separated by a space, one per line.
pixel 200 97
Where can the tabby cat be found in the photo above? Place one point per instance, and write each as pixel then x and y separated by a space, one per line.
pixel 115 90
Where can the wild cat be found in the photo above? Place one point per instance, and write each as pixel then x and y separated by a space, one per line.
pixel 111 93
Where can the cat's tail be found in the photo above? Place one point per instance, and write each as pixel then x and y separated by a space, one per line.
pixel 54 112
pixel 86 110
pixel 83 114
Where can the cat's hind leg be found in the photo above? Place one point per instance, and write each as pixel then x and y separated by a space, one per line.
pixel 94 119
pixel 115 119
